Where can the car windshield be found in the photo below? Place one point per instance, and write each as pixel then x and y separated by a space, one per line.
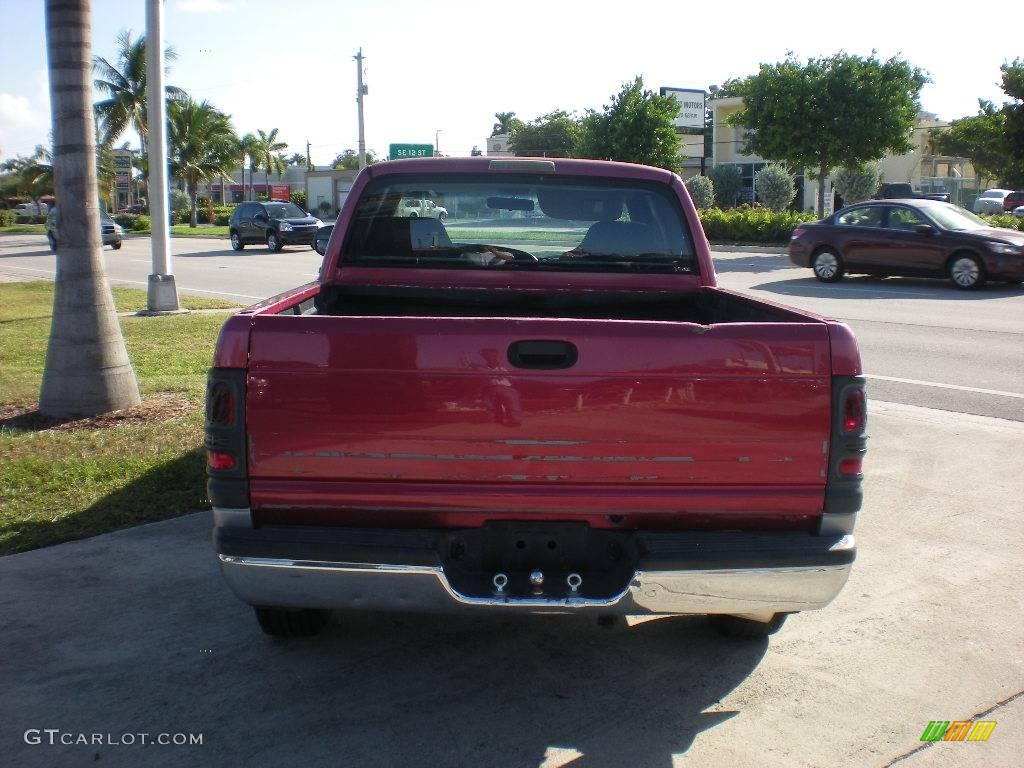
pixel 956 219
pixel 285 211
pixel 522 222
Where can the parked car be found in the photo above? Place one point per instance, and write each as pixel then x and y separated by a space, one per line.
pixel 905 191
pixel 921 238
pixel 439 423
pixel 275 224
pixel 990 201
pixel 27 210
pixel 133 209
pixel 110 231
pixel 1019 212
pixel 416 207
pixel 323 235
pixel 1012 201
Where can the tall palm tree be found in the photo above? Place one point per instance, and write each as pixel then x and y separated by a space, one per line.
pixel 33 175
pixel 250 148
pixel 125 88
pixel 202 145
pixel 506 121
pixel 268 146
pixel 87 370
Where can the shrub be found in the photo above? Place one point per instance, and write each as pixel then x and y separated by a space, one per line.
pixel 702 190
pixel 7 218
pixel 751 225
pixel 222 214
pixel 727 182
pixel 774 185
pixel 857 184
pixel 299 198
pixel 325 208
pixel 127 220
pixel 1007 220
pixel 179 201
pixel 142 224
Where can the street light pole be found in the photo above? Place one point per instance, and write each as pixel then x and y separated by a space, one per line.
pixel 162 295
pixel 361 91
pixel 437 141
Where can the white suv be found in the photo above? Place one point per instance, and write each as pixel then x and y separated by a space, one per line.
pixel 990 201
pixel 422 208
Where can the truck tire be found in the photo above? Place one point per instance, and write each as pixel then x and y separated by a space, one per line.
pixel 116 245
pixel 734 626
pixel 285 622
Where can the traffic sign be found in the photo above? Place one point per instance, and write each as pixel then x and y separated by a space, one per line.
pixel 403 151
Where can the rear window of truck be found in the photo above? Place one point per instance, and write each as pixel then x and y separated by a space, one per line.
pixel 500 221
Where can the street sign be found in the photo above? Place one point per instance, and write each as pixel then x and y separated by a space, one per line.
pixel 402 151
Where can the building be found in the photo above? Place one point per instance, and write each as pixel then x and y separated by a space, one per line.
pixel 499 146
pixel 920 167
pixel 327 190
pixel 245 186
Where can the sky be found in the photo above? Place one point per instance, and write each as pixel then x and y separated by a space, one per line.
pixel 449 65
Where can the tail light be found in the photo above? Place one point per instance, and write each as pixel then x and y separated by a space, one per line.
pixel 853 411
pixel 226 466
pixel 221 460
pixel 220 405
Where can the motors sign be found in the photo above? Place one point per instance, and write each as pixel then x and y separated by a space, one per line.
pixel 691 106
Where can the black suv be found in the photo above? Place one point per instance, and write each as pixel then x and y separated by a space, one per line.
pixel 275 223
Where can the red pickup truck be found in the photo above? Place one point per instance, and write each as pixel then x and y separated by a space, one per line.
pixel 545 403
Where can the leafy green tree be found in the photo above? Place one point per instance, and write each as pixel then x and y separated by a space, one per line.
pixel 349 160
pixel 702 190
pixel 857 184
pixel 839 110
pixel 124 85
pixel 727 181
pixel 202 146
pixel 774 185
pixel 994 138
pixel 552 135
pixel 506 122
pixel 635 127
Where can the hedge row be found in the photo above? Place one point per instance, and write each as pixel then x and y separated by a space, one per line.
pixel 7 218
pixel 1007 220
pixel 751 225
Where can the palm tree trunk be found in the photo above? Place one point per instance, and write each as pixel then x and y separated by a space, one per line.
pixel 87 369
pixel 193 193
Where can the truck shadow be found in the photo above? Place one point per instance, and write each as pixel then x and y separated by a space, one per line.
pixel 862 287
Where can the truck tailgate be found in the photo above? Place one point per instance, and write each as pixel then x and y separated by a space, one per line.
pixel 435 419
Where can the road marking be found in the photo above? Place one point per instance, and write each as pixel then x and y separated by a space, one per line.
pixel 996 392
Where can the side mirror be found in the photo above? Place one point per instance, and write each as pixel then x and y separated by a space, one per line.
pixel 924 229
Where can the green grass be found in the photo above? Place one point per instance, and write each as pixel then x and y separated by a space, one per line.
pixel 81 480
pixel 201 231
pixel 24 229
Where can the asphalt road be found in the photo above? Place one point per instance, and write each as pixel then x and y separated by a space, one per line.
pixel 923 342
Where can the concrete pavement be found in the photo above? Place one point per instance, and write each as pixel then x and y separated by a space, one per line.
pixel 134 632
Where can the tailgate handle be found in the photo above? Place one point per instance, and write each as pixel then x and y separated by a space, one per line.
pixel 549 355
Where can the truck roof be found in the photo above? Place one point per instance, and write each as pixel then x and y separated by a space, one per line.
pixel 573 167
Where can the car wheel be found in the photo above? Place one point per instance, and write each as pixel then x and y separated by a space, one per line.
pixel 414 215
pixel 284 622
pixel 116 245
pixel 966 272
pixel 236 242
pixel 274 243
pixel 442 216
pixel 52 241
pixel 827 266
pixel 734 626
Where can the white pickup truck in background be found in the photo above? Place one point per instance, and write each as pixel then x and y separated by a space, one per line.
pixel 422 208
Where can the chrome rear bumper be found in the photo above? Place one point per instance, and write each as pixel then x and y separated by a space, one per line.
pixel 754 592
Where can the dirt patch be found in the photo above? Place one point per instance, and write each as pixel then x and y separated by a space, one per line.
pixel 154 409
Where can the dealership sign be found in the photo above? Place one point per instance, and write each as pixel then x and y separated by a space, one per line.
pixel 691 106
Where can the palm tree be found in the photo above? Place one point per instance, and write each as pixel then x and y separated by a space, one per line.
pixel 33 175
pixel 201 145
pixel 87 370
pixel 125 87
pixel 268 146
pixel 506 121
pixel 250 149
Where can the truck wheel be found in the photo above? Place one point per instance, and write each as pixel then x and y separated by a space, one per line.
pixel 734 626
pixel 442 216
pixel 116 245
pixel 827 265
pixel 236 242
pixel 966 272
pixel 285 622
pixel 414 215
pixel 274 243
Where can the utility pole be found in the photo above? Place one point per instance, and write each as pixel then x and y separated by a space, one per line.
pixel 162 295
pixel 361 91
pixel 309 161
pixel 437 141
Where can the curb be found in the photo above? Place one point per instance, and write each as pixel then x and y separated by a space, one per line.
pixel 768 249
